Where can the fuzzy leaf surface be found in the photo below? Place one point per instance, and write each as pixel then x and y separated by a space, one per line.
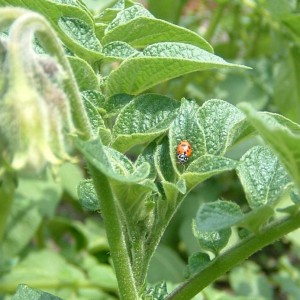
pixel 84 74
pixel 217 215
pixel 282 135
pixel 112 163
pixel 77 33
pixel 205 167
pixel 143 119
pixel 262 175
pixel 143 31
pixel 160 62
pixel 213 241
pixel 222 123
pixel 87 195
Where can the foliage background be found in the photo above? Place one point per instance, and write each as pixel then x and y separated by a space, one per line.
pixel 263 34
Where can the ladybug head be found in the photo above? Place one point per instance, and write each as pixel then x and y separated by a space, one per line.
pixel 182 158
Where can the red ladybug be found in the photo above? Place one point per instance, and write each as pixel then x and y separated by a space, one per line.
pixel 184 151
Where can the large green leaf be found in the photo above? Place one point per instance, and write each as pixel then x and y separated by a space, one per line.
pixel 186 127
pixel 142 31
pixel 205 167
pixel 112 163
pixel 287 75
pixel 281 134
pixel 222 124
pixel 165 265
pixel 217 215
pixel 72 21
pixel 143 119
pixel 127 15
pixel 160 62
pixel 262 175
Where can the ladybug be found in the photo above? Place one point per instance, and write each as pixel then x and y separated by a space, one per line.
pixel 184 151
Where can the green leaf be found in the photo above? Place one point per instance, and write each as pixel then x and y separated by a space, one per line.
pixel 213 241
pixel 165 265
pixel 77 33
pixel 148 156
pixel 91 231
pixel 87 195
pixel 161 62
pixel 143 119
pixel 132 198
pixel 167 10
pixel 128 14
pixel 286 75
pixel 205 167
pixel 196 262
pixel 96 98
pixel 171 190
pixel 217 215
pixel 85 76
pixel 113 164
pixel 115 103
pixel 254 220
pixel 94 116
pixel 287 141
pixel 143 31
pixel 34 200
pixel 119 51
pixel 222 124
pixel 263 177
pixel 163 161
pixel 80 32
pixel 186 127
pixel 98 273
pixel 26 292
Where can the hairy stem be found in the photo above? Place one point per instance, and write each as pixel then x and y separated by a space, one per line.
pixel 115 236
pixel 234 256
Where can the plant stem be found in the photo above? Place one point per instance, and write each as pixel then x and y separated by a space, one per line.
pixel 115 236
pixel 234 256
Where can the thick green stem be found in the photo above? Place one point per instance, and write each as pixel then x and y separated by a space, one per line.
pixel 234 256
pixel 115 236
